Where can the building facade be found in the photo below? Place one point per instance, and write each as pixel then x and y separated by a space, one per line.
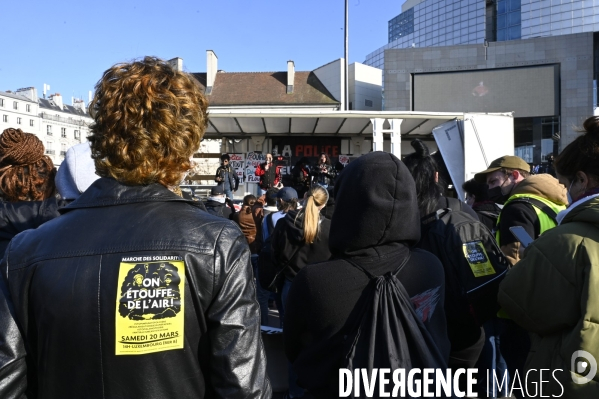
pixel 58 125
pixel 537 59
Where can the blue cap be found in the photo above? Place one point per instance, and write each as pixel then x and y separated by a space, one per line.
pixel 287 194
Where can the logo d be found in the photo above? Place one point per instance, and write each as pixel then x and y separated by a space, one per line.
pixel 582 366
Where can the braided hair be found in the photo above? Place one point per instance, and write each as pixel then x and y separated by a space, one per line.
pixel 26 173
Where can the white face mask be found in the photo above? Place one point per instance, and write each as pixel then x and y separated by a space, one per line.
pixel 570 199
pixel 568 193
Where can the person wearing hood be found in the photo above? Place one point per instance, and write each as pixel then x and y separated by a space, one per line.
pixel 376 225
pixel 76 173
pixel 27 186
pixel 217 203
pixel 552 292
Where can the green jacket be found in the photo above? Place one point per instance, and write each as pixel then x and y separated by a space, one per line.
pixel 553 292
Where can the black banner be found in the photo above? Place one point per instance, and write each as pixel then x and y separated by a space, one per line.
pixel 294 148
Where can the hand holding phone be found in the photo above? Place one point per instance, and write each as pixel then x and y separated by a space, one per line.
pixel 521 235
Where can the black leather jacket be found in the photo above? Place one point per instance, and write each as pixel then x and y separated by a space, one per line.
pixel 16 217
pixel 325 177
pixel 74 282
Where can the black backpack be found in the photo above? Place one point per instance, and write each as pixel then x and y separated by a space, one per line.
pixel 474 265
pixel 384 330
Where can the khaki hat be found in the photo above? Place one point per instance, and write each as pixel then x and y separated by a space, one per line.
pixel 507 162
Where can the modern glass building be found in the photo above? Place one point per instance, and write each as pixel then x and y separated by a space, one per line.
pixel 482 55
pixel 450 22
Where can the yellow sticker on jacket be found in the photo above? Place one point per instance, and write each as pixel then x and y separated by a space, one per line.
pixel 149 305
pixel 477 259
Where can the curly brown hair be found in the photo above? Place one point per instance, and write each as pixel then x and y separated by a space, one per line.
pixel 148 122
pixel 26 173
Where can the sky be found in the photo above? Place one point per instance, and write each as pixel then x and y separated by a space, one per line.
pixel 69 44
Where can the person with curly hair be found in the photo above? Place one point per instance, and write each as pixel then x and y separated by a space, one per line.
pixel 195 329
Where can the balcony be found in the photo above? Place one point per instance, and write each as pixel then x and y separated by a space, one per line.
pixel 50 152
pixel 63 153
pixel 55 118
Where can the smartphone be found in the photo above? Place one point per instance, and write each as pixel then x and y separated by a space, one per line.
pixel 521 235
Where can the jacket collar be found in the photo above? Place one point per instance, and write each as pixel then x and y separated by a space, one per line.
pixel 574 210
pixel 109 192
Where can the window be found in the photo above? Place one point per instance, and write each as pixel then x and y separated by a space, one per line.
pixel 30 122
pixel 368 103
pixel 18 121
pixel 28 107
pixel 63 149
pixel 1 102
pixel 15 105
pixel 77 134
pixel 5 118
pixel 49 150
pixel 63 132
pixel 49 130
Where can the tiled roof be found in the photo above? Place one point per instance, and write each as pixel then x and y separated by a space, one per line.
pixel 16 96
pixel 69 109
pixel 266 88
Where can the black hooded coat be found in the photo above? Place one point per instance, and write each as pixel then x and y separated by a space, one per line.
pixel 289 249
pixel 376 224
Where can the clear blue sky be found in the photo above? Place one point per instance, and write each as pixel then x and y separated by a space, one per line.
pixel 68 44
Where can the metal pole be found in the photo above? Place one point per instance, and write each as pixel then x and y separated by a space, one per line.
pixel 346 56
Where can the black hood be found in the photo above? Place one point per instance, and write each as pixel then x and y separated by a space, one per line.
pixel 375 206
pixel 294 222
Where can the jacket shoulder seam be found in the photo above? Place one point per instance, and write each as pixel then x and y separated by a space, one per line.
pixel 161 246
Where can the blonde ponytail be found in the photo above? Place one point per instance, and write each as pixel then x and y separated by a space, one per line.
pixel 317 197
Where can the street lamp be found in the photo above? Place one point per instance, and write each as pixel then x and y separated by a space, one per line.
pixel 346 68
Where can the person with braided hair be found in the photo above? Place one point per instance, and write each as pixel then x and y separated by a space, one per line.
pixel 26 173
pixel 26 185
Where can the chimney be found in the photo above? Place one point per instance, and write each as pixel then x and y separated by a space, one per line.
pixel 211 69
pixel 57 98
pixel 176 63
pixel 290 76
pixel 79 104
pixel 29 92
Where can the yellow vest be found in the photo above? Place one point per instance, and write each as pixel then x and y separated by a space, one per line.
pixel 545 221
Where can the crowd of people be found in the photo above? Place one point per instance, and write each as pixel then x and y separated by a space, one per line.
pixel 115 284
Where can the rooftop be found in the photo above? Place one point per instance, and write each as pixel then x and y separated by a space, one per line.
pixel 44 103
pixel 266 88
pixel 16 96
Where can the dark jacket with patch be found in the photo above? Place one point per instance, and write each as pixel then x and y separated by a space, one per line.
pixel 376 224
pixel 63 279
